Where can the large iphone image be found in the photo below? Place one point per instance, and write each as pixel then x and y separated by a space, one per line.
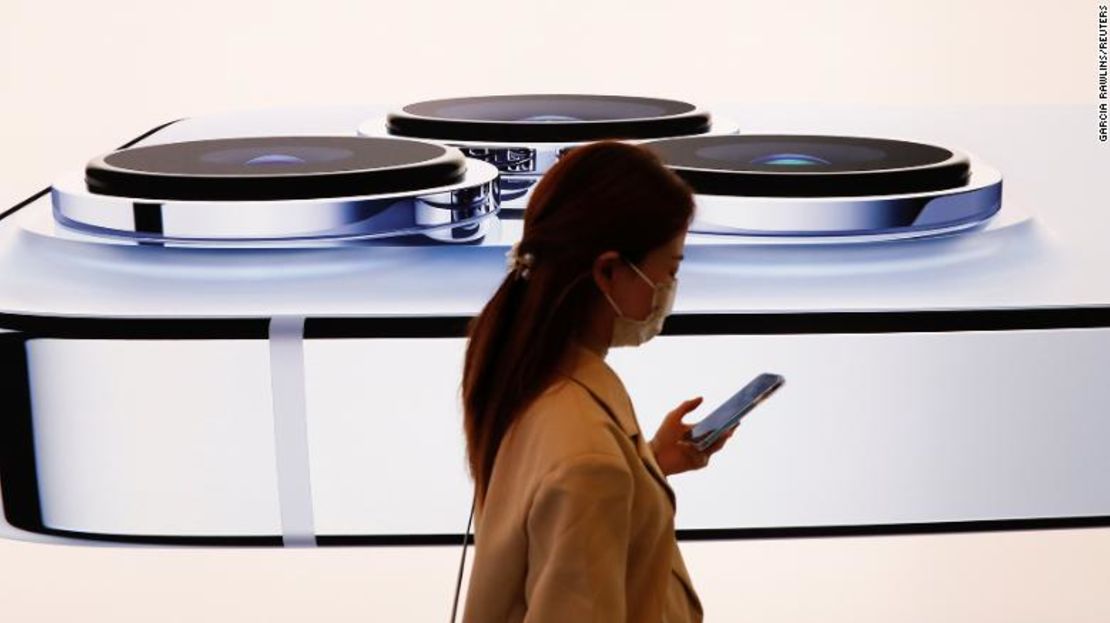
pixel 202 328
pixel 236 326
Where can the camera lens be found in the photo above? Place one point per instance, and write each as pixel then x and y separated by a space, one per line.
pixel 808 166
pixel 547 118
pixel 259 168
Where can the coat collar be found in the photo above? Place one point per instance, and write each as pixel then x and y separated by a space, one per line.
pixel 590 370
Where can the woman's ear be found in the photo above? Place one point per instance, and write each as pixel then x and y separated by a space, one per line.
pixel 603 264
pixel 603 269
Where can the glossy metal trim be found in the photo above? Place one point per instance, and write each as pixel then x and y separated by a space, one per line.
pixel 434 212
pixel 522 164
pixel 876 217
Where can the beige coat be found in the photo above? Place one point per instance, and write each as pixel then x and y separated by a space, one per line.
pixel 578 525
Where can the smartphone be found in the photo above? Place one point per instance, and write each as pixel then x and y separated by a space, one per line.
pixel 727 416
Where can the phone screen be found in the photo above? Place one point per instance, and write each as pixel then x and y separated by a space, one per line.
pixel 730 412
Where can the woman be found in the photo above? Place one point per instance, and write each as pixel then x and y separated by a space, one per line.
pixel 574 516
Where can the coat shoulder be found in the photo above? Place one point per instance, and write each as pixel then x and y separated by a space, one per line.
pixel 566 421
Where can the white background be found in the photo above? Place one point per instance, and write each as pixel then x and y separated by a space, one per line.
pixel 78 78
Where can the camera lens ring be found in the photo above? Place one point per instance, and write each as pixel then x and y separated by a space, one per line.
pixel 547 118
pixel 274 168
pixel 784 165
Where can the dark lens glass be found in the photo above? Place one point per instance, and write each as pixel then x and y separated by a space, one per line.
pixel 809 166
pixel 547 118
pixel 548 108
pixel 275 155
pixel 753 154
pixel 274 168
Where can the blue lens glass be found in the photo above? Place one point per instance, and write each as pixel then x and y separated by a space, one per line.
pixel 276 159
pixel 549 118
pixel 275 155
pixel 790 160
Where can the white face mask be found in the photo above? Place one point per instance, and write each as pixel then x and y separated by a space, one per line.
pixel 630 332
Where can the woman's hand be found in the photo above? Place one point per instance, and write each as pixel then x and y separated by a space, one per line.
pixel 673 452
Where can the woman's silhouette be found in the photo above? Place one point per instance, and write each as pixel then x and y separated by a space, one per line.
pixel 574 516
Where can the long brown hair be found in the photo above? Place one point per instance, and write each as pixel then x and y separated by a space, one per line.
pixel 600 196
